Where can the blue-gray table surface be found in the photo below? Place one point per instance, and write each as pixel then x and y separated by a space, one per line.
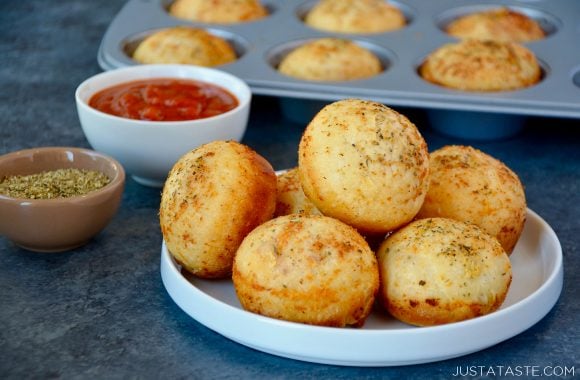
pixel 101 310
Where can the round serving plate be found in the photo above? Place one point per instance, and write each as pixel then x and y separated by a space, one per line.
pixel 382 341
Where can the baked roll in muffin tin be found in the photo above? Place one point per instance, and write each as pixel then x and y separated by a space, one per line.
pixel 261 45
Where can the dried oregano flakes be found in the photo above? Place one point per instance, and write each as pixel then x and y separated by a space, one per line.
pixel 60 183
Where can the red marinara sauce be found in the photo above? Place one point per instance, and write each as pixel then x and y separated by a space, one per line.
pixel 164 99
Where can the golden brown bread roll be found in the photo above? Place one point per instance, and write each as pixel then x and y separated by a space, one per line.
pixel 437 271
pixel 355 16
pixel 290 199
pixel 469 185
pixel 213 197
pixel 218 11
pixel 330 59
pixel 184 45
pixel 307 268
pixel 501 24
pixel 474 65
pixel 364 164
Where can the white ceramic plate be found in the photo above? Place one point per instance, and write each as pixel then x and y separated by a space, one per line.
pixel 383 341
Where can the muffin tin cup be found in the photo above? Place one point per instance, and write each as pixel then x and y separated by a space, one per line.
pixel 261 44
pixel 480 126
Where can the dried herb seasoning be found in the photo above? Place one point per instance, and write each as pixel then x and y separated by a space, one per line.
pixel 60 183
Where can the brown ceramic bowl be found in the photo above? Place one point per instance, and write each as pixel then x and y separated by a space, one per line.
pixel 54 225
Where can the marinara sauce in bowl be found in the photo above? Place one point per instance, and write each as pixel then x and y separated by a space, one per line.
pixel 164 99
pixel 148 116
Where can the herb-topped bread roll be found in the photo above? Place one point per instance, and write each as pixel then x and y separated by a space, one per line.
pixel 218 11
pixel 308 269
pixel 330 59
pixel 213 197
pixel 500 24
pixel 290 198
pixel 364 164
pixel 475 65
pixel 184 45
pixel 437 271
pixel 355 16
pixel 469 185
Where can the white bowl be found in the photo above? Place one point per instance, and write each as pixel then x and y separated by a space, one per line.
pixel 148 149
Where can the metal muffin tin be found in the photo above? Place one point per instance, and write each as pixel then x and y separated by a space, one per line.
pixel 262 44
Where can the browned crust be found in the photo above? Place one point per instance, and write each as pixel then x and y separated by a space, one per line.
pixel 203 220
pixel 469 185
pixel 355 16
pixel 474 65
pixel 503 24
pixel 436 271
pixel 431 312
pixel 285 270
pixel 186 45
pixel 218 11
pixel 290 197
pixel 330 59
pixel 364 164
